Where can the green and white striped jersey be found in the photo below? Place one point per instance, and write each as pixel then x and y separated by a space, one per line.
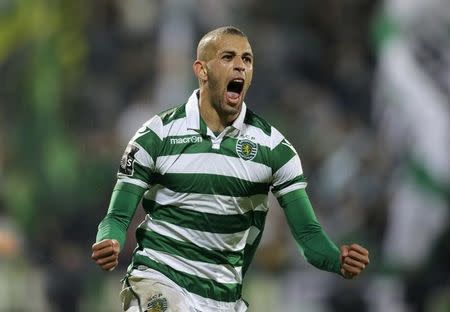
pixel 206 198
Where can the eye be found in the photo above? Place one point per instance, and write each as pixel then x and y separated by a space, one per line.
pixel 247 59
pixel 227 57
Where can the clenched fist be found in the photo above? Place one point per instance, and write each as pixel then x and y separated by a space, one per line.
pixel 106 254
pixel 354 259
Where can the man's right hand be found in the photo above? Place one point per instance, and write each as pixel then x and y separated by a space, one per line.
pixel 106 254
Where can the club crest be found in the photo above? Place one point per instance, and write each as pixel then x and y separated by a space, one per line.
pixel 157 303
pixel 246 149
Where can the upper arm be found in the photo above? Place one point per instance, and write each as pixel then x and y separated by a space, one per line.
pixel 138 161
pixel 287 169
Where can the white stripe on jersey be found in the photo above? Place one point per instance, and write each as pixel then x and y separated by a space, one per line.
pixel 290 170
pixel 207 203
pixel 252 234
pixel 290 188
pixel 259 136
pixel 219 273
pixel 143 158
pixel 207 240
pixel 123 178
pixel 275 138
pixel 256 134
pixel 210 163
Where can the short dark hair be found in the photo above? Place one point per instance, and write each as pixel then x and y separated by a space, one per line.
pixel 215 33
pixel 227 30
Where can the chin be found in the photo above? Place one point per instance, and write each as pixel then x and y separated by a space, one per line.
pixel 232 108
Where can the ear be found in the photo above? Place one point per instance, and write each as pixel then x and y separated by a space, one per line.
pixel 200 70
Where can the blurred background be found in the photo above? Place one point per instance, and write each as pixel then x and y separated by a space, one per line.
pixel 360 87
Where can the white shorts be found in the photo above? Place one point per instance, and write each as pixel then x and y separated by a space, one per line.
pixel 154 293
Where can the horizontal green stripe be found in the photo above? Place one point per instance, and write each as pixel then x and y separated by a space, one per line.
pixel 201 286
pixel 200 221
pixel 170 148
pixel 227 148
pixel 155 241
pixel 210 184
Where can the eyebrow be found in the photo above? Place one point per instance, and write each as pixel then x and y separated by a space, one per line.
pixel 234 53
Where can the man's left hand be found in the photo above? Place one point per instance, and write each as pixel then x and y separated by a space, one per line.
pixel 354 259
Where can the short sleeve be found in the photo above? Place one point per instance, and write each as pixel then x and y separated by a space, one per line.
pixel 138 161
pixel 287 169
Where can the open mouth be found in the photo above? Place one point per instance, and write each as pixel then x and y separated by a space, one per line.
pixel 234 89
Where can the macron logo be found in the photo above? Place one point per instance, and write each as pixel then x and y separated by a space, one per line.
pixel 187 140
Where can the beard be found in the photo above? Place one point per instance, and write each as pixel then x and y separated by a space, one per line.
pixel 217 91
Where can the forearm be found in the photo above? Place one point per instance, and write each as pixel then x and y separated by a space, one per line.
pixel 123 204
pixel 314 244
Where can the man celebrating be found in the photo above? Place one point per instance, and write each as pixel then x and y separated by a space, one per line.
pixel 203 171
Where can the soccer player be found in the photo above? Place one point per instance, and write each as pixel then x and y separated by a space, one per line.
pixel 203 171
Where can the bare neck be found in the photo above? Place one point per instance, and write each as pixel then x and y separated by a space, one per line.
pixel 214 119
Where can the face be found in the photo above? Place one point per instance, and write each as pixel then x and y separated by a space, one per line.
pixel 229 73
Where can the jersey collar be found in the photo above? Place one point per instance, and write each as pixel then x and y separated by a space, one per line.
pixel 194 120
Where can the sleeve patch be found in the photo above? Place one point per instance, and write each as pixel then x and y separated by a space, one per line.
pixel 127 162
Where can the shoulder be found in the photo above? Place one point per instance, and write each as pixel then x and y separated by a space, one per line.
pixel 172 114
pixel 155 125
pixel 272 137
pixel 255 120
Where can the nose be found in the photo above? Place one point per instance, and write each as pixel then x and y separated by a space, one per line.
pixel 239 64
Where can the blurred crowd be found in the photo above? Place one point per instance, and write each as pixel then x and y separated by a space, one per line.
pixel 360 87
